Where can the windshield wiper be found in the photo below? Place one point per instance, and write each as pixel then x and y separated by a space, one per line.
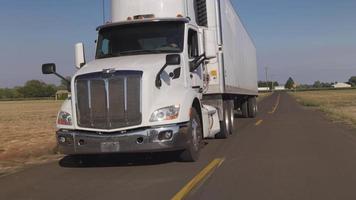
pixel 109 55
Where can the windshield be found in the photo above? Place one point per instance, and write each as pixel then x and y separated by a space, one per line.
pixel 141 38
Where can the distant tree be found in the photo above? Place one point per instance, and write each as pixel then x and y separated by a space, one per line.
pixel 8 93
pixel 17 93
pixel 36 88
pixel 275 83
pixel 290 83
pixel 352 80
pixel 268 84
pixel 326 85
pixel 305 86
pixel 317 84
pixel 262 84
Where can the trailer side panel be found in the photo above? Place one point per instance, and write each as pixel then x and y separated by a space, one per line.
pixel 238 60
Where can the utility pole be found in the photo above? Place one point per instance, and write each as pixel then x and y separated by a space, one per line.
pixel 103 4
pixel 266 69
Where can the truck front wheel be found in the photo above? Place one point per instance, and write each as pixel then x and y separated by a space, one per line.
pixel 195 131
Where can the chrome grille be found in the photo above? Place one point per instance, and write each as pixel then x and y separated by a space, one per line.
pixel 109 101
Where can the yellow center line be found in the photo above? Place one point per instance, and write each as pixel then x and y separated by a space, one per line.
pixel 198 178
pixel 276 105
pixel 259 122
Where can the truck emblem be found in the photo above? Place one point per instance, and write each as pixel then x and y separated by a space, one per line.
pixel 109 71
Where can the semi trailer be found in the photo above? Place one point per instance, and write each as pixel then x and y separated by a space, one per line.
pixel 167 74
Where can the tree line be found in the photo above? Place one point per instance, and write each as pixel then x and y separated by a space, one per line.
pixel 319 84
pixel 32 89
pixel 290 84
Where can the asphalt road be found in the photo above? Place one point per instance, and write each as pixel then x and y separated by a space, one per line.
pixel 287 152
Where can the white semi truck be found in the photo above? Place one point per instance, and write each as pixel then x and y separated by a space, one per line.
pixel 167 74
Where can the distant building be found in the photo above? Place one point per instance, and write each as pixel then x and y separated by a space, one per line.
pixel 279 88
pixel 263 89
pixel 341 85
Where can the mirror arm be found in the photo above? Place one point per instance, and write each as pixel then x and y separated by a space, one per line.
pixel 61 77
pixel 201 61
pixel 158 81
pixel 197 62
pixel 64 79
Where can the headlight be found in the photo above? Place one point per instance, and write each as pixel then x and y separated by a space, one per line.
pixel 167 113
pixel 64 118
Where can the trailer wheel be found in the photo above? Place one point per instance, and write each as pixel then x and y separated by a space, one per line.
pixel 244 109
pixel 225 124
pixel 232 117
pixel 252 107
pixel 191 154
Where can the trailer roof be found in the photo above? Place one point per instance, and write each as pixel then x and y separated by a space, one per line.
pixel 185 20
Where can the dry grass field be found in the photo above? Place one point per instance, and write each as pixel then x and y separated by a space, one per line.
pixel 339 105
pixel 27 133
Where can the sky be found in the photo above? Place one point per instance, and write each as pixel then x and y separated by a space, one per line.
pixel 307 40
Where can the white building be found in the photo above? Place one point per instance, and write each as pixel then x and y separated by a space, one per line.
pixel 263 89
pixel 341 85
pixel 279 88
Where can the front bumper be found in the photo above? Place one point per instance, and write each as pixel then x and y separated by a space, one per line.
pixel 72 142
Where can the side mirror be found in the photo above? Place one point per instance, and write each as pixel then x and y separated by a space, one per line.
pixel 79 55
pixel 210 44
pixel 173 59
pixel 49 68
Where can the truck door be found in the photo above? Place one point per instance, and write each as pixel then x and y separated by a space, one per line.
pixel 193 52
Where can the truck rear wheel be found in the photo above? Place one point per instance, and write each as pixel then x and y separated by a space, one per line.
pixel 191 154
pixel 232 117
pixel 244 109
pixel 252 107
pixel 225 124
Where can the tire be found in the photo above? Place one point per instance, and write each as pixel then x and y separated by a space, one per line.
pixel 191 153
pixel 225 124
pixel 244 109
pixel 74 161
pixel 252 107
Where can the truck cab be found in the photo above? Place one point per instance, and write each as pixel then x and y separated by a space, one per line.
pixel 144 91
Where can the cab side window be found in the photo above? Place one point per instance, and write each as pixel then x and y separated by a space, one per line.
pixel 193 48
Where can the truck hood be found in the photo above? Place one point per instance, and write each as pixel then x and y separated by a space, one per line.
pixel 147 63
